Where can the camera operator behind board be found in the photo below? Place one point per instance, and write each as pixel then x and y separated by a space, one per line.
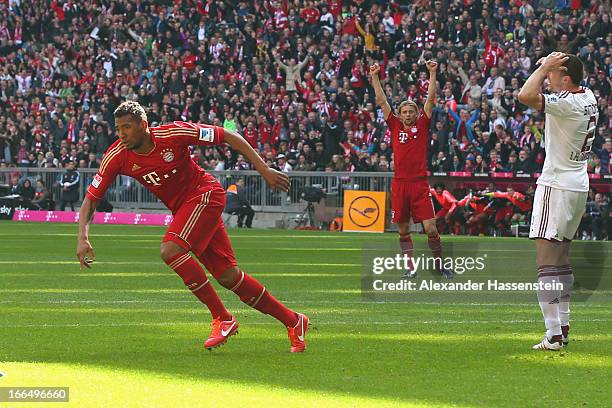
pixel 238 204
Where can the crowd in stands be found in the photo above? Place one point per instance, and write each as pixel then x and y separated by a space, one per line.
pixel 292 77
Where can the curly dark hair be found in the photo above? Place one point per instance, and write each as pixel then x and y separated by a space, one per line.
pixel 131 108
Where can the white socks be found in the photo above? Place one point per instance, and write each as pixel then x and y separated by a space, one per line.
pixel 549 300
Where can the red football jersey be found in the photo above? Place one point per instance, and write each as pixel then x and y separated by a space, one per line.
pixel 168 170
pixel 251 137
pixel 446 199
pixel 515 198
pixel 409 146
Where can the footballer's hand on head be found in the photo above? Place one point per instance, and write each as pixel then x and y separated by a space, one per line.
pixel 554 61
pixel 85 253
pixel 276 179
pixel 374 69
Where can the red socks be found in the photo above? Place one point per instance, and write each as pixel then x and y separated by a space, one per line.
pixel 407 248
pixel 255 295
pixel 435 245
pixel 195 279
pixel 246 287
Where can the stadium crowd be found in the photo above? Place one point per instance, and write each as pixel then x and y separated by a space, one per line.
pixel 291 76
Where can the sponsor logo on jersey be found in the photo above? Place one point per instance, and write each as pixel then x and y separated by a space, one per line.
pixel 403 137
pixel 96 181
pixel 207 135
pixel 135 167
pixel 152 178
pixel 553 99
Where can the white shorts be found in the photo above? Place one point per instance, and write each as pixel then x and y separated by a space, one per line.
pixel 556 213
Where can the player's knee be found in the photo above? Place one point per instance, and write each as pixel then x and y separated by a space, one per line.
pixel 432 232
pixel 228 277
pixel 169 250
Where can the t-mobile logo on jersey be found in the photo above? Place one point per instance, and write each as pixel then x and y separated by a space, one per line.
pixel 405 136
pixel 152 178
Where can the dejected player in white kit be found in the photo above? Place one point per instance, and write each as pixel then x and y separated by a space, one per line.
pixel 559 203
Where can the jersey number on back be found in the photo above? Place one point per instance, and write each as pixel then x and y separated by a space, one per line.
pixel 590 136
pixel 588 140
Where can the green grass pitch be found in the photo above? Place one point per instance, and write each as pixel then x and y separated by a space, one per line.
pixel 128 333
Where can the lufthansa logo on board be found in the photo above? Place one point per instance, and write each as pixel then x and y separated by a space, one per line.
pixel 364 211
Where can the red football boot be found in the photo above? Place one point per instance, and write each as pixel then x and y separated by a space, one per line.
pixel 297 334
pixel 221 331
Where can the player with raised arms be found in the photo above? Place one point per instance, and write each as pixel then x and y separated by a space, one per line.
pixel 410 194
pixel 560 198
pixel 159 158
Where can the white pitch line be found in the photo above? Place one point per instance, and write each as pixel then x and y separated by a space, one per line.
pixel 331 323
pixel 173 276
pixel 160 263
pixel 345 237
pixel 298 302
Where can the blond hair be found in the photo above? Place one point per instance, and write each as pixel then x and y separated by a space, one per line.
pixel 408 103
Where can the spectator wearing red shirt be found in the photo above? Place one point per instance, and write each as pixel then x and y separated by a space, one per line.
pixel 310 14
pixel 251 135
pixel 493 52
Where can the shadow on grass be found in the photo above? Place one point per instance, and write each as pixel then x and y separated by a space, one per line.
pixel 471 371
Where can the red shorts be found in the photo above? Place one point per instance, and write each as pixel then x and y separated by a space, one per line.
pixel 503 212
pixel 198 227
pixel 442 213
pixel 411 199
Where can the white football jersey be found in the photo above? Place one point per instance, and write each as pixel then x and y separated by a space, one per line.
pixel 571 120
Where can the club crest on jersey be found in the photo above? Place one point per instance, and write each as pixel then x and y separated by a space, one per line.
pixel 167 155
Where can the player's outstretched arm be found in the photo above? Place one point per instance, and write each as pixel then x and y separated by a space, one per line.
pixel 381 98
pixel 432 66
pixel 274 178
pixel 530 92
pixel 85 252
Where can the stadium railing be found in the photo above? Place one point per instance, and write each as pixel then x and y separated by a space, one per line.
pixel 126 193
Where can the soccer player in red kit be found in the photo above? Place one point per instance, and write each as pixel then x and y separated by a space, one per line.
pixel 410 195
pixel 159 158
pixel 519 205
pixel 445 201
